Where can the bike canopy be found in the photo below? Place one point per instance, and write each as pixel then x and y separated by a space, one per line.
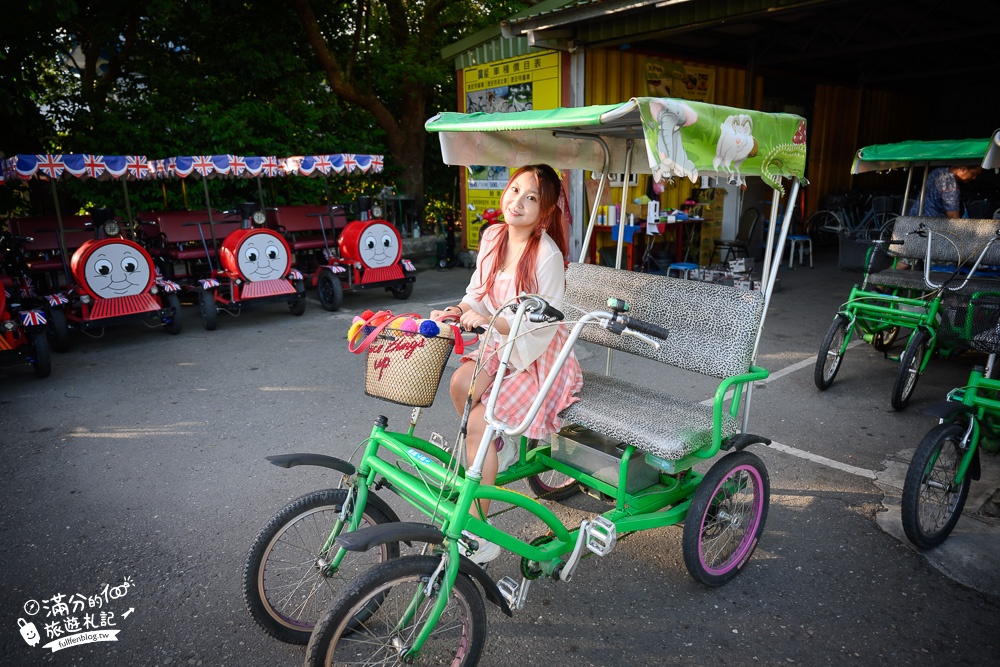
pixel 682 138
pixel 944 153
pixel 992 159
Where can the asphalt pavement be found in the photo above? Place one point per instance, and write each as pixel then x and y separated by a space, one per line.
pixel 134 482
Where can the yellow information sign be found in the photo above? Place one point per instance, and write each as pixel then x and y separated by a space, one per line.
pixel 514 84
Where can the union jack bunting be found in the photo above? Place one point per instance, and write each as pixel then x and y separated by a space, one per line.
pixel 208 283
pixel 336 268
pixel 203 165
pixel 269 166
pixel 93 165
pixel 323 164
pixel 408 265
pixel 27 286
pixel 32 318
pixel 57 299
pixel 350 164
pixel 167 285
pixel 295 274
pixel 237 165
pixel 377 163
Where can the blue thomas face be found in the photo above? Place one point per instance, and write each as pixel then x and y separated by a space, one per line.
pixel 379 246
pixel 117 269
pixel 262 257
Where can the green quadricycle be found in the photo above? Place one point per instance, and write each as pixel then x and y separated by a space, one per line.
pixel 929 305
pixel 328 569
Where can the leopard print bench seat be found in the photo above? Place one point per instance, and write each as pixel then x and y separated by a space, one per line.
pixel 955 241
pixel 713 330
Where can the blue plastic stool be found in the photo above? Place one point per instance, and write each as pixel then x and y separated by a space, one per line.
pixel 683 269
pixel 803 244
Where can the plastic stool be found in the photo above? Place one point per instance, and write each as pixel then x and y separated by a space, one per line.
pixel 683 269
pixel 803 244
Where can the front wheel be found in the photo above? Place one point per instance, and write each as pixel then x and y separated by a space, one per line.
pixel 172 325
pixel 58 330
pixel 297 307
pixel 909 369
pixel 402 291
pixel 932 502
pixel 287 578
pixel 209 311
pixel 551 485
pixel 329 290
pixel 726 518
pixel 42 363
pixel 377 619
pixel 831 353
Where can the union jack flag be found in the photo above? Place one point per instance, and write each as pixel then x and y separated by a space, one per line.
pixel 57 299
pixel 337 268
pixel 237 165
pixel 27 286
pixel 323 163
pixel 408 265
pixel 167 285
pixel 51 165
pixel 295 274
pixel 208 283
pixel 270 167
pixel 203 165
pixel 93 165
pixel 33 318
pixel 376 163
pixel 350 164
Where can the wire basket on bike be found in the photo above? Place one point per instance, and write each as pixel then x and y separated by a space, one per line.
pixel 971 322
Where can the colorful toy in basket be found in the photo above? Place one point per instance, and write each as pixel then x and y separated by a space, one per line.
pixel 406 355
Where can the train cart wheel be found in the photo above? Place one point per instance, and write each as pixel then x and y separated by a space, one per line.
pixel 330 291
pixel 551 485
pixel 726 518
pixel 402 292
pixel 209 311
pixel 884 338
pixel 377 618
pixel 58 330
pixel 829 357
pixel 42 363
pixel 931 503
pixel 172 325
pixel 909 369
pixel 286 587
pixel 297 307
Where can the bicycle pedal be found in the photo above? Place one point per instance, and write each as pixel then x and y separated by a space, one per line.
pixel 515 594
pixel 602 536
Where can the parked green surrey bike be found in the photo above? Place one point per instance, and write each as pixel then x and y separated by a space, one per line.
pixel 427 609
pixel 948 458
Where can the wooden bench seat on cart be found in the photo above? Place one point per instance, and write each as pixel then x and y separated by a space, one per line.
pixel 955 241
pixel 713 331
pixel 43 251
pixel 182 236
pixel 304 226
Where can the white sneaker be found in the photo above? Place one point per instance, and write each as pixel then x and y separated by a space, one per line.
pixel 507 452
pixel 488 551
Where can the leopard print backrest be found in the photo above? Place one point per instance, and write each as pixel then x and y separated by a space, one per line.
pixel 712 327
pixel 954 239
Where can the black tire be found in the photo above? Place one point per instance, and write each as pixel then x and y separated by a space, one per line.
pixel 402 292
pixel 551 485
pixel 931 506
pixel 58 330
pixel 909 369
pixel 290 549
pixel 208 310
pixel 42 363
pixel 726 518
pixel 884 338
pixel 329 290
pixel 830 357
pixel 361 626
pixel 172 325
pixel 297 307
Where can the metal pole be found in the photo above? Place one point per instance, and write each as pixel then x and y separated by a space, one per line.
pixel 208 205
pixel 62 233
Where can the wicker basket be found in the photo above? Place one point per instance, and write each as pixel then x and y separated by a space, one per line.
pixel 406 368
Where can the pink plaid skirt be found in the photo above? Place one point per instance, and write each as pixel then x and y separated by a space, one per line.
pixel 520 388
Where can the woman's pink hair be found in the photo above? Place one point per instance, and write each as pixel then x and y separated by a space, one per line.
pixel 549 221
